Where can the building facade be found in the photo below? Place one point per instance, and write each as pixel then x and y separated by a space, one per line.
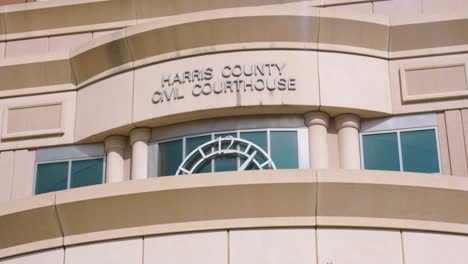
pixel 321 131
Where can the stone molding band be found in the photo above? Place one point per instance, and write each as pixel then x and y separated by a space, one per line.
pixel 165 39
pixel 252 199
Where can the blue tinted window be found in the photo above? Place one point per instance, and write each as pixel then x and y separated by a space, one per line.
pixel 419 151
pixel 284 149
pixel 86 172
pixel 260 139
pixel 51 177
pixel 381 152
pixel 226 162
pixel 192 144
pixel 170 157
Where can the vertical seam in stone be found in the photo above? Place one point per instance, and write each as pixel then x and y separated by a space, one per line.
pixel 228 246
pixel 444 127
pixel 143 250
pixel 13 176
pixel 448 143
pixel 60 225
pixel 12 171
pixel 464 138
pixel 318 63
pixel 133 75
pixel 137 17
pixel 4 30
pixel 402 247
pixel 316 217
pixel 75 112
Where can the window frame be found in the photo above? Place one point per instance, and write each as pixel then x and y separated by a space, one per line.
pixel 400 154
pixel 69 161
pixel 303 160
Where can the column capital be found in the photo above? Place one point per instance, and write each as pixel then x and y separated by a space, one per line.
pixel 115 143
pixel 316 118
pixel 347 120
pixel 140 134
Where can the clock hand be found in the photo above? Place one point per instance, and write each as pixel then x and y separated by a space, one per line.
pixel 247 162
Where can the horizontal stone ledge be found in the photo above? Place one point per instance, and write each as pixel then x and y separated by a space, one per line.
pixel 189 35
pixel 230 200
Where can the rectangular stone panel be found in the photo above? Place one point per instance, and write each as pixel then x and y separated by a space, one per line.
pixel 359 246
pixel 433 248
pixel 33 120
pixel 194 248
pixel 108 252
pixel 435 82
pixel 272 246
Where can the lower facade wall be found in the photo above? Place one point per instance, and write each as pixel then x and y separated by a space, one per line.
pixel 261 246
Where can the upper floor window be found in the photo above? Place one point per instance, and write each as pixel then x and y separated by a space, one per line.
pixel 231 151
pixel 68 167
pixel 407 143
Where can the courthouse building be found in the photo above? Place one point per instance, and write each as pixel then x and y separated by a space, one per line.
pixel 234 131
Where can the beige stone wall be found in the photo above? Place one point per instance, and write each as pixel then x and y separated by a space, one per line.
pixel 266 246
pixel 331 199
pixel 17 174
pixel 453 127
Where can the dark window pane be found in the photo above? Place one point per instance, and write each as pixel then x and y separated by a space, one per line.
pixel 170 157
pixel 419 151
pixel 226 162
pixel 51 177
pixel 284 150
pixel 381 152
pixel 193 143
pixel 86 172
pixel 260 139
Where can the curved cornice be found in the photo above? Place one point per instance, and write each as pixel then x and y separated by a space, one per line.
pixel 237 29
pixel 252 199
pixel 56 17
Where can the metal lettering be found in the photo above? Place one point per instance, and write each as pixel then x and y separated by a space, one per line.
pixel 156 97
pixel 282 84
pixel 166 79
pixel 206 90
pixel 196 90
pixel 259 88
pixel 187 76
pixel 228 74
pixel 208 74
pixel 280 68
pixel 166 95
pixel 270 87
pixel 177 78
pixel 236 71
pixel 292 85
pixel 230 78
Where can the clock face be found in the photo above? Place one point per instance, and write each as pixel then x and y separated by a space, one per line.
pixel 251 156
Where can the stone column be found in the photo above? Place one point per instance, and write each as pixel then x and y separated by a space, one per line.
pixel 139 140
pixel 317 123
pixel 115 146
pixel 348 139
